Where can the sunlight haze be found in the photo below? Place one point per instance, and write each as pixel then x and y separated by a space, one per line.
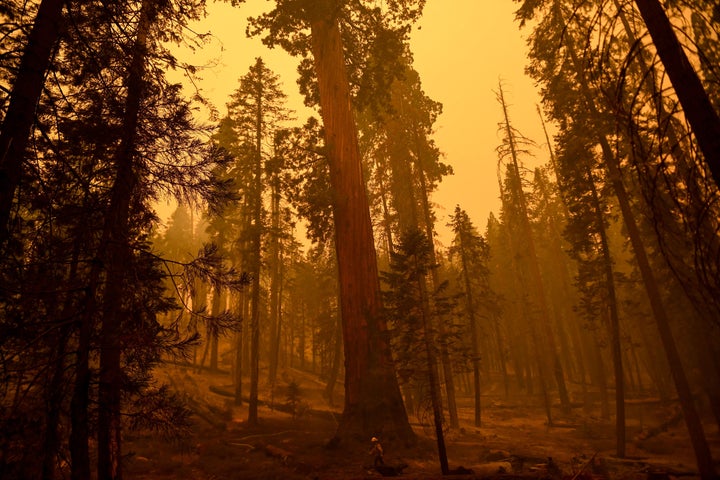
pixel 462 50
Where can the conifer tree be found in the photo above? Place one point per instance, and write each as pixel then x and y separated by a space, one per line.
pixel 472 253
pixel 410 308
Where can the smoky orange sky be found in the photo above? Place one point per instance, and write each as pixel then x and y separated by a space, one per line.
pixel 462 50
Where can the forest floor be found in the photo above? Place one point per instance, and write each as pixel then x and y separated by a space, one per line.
pixel 514 441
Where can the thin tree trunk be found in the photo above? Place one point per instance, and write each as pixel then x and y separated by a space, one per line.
pixel 239 351
pixel 429 233
pixel 614 326
pixel 275 285
pixel 51 442
pixel 79 417
pixel 502 356
pixel 51 445
pixel 213 330
pixel 473 328
pixel 433 380
pixel 600 379
pixel 256 259
pixel 368 362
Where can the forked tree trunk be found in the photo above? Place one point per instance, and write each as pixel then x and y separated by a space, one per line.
pixel 373 402
pixel 387 217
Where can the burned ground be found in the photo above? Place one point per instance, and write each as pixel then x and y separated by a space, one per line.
pixel 514 440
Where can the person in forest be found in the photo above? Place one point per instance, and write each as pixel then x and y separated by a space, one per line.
pixel 377 451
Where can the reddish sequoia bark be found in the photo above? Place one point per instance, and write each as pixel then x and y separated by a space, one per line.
pixel 373 403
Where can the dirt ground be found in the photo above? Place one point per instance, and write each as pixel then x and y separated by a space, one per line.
pixel 514 441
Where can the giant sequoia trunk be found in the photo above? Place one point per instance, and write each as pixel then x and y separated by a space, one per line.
pixel 696 105
pixel 24 97
pixel 373 402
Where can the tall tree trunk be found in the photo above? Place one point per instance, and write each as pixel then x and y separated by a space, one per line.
pixel 614 326
pixel 575 336
pixel 79 416
pixel 117 259
pixel 537 281
pixel 464 260
pixel 51 445
pixel 26 91
pixel 696 105
pixel 430 234
pixel 432 371
pixel 256 261
pixel 275 277
pixel 501 350
pixel 524 310
pixel 54 395
pixel 368 362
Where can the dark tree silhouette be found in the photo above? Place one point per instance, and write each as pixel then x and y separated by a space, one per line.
pixel 26 90
pixel 697 107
